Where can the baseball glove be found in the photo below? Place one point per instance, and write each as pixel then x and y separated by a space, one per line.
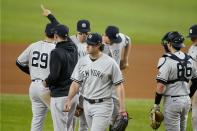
pixel 156 117
pixel 121 122
pixel 78 111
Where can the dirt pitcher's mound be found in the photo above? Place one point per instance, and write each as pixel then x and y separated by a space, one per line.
pixel 139 77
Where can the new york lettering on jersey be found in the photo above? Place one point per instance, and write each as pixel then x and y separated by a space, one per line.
pixel 96 76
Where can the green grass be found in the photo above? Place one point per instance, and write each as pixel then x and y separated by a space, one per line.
pixel 145 21
pixel 16 114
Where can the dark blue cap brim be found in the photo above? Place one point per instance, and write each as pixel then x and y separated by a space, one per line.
pixel 118 40
pixel 91 43
pixel 191 36
pixel 83 30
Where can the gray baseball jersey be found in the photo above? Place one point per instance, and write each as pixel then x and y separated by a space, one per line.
pixel 115 50
pixel 36 56
pixel 193 52
pixel 170 69
pixel 81 47
pixel 97 76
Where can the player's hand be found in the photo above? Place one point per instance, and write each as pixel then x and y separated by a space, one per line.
pixel 123 64
pixel 45 12
pixel 124 113
pixel 67 105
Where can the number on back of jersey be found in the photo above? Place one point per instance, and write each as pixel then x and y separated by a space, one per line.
pixel 40 59
pixel 184 70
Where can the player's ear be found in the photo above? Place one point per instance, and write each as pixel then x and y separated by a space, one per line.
pixel 55 36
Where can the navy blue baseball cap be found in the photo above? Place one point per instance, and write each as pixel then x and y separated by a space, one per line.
pixel 192 31
pixel 61 30
pixel 49 29
pixel 113 34
pixel 94 39
pixel 83 26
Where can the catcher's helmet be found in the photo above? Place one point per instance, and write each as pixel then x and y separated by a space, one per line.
pixel 175 38
pixel 193 31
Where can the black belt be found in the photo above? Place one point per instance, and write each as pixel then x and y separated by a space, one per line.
pixel 34 80
pixel 175 96
pixel 93 101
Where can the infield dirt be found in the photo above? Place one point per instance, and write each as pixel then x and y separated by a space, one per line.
pixel 139 77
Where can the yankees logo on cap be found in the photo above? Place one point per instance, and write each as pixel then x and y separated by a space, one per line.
pixel 190 31
pixel 83 25
pixel 94 39
pixel 90 36
pixel 193 31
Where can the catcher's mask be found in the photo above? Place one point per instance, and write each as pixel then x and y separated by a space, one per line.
pixel 175 38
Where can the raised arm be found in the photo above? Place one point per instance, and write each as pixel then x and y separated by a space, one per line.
pixel 48 14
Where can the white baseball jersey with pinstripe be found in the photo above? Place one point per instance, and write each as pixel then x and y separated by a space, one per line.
pixel 37 58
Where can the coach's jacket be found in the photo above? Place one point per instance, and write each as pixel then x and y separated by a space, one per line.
pixel 63 60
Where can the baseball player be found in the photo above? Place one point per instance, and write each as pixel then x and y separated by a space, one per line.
pixel 115 43
pixel 35 61
pixel 193 53
pixel 97 82
pixel 83 29
pixel 175 70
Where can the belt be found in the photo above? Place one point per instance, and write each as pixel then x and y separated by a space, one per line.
pixel 93 101
pixel 175 96
pixel 36 80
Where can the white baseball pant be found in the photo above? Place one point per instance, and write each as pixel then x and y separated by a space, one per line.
pixel 40 99
pixel 98 115
pixel 176 112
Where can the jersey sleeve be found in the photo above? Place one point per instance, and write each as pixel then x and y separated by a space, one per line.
pixel 76 75
pixel 127 40
pixel 163 71
pixel 117 77
pixel 23 58
pixel 195 70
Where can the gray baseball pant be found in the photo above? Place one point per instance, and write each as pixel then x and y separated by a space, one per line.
pixel 40 98
pixel 98 115
pixel 176 112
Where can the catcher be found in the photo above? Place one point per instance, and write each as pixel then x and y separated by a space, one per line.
pixel 175 70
